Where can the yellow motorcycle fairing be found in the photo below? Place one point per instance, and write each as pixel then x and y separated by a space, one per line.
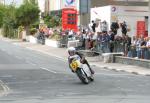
pixel 74 65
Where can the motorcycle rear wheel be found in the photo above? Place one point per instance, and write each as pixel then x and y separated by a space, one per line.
pixel 82 76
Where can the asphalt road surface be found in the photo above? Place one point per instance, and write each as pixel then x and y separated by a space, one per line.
pixel 33 77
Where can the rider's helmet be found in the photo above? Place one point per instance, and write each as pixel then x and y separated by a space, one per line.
pixel 71 50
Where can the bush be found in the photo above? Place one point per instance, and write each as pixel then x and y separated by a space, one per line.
pixel 56 36
pixel 33 31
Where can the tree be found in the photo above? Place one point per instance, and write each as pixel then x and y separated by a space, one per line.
pixel 8 20
pixel 30 1
pixel 27 14
pixel 1 15
pixel 52 21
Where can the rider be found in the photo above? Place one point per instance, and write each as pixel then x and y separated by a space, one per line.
pixel 72 51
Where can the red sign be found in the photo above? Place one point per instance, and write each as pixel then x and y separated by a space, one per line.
pixel 141 28
pixel 69 19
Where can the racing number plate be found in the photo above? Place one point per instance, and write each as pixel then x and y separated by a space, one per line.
pixel 74 65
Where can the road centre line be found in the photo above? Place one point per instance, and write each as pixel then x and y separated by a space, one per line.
pixel 18 57
pixel 30 63
pixel 48 70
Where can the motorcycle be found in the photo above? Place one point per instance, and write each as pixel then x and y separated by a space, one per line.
pixel 82 70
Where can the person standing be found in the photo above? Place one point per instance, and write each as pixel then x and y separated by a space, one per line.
pixel 124 28
pixel 99 26
pixel 112 38
pixel 84 36
pixel 93 26
pixel 104 26
pixel 147 53
pixel 104 42
pixel 115 27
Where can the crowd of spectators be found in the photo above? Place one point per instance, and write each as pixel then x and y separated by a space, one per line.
pixel 96 37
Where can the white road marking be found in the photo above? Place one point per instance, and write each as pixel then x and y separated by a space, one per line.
pixel 17 44
pixel 57 57
pixel 18 57
pixel 30 63
pixel 48 70
pixel 5 88
pixel 108 74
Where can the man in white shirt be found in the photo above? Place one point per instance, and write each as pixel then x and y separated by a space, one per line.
pixel 99 26
pixel 148 43
pixel 147 53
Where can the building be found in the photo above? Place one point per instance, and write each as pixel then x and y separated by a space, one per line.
pixel 2 1
pixel 83 7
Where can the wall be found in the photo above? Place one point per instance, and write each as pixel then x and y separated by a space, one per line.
pixel 99 3
pixel 103 13
pixel 130 14
pixel 132 61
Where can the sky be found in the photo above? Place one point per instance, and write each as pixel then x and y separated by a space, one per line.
pixel 17 2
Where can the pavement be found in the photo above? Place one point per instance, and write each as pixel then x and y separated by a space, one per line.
pixel 61 53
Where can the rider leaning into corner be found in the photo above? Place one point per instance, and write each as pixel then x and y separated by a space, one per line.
pixel 72 51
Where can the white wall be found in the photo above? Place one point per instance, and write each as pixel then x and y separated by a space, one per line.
pixel 130 14
pixel 103 13
pixel 131 22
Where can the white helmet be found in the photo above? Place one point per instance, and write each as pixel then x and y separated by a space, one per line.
pixel 71 49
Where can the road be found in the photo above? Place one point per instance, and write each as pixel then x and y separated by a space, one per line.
pixel 33 77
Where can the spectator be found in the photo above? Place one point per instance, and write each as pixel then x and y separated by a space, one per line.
pixel 147 53
pixel 104 42
pixel 94 38
pixel 84 36
pixel 93 26
pixel 139 43
pixel 128 46
pixel 133 46
pixel 99 26
pixel 114 27
pixel 143 47
pixel 104 26
pixel 124 28
pixel 112 37
pixel 88 40
pixel 99 38
pixel 70 34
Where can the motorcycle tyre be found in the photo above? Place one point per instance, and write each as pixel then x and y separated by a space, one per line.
pixel 80 74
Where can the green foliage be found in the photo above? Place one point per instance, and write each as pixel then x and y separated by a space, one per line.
pixel 9 24
pixel 20 29
pixel 29 1
pixel 27 14
pixel 2 10
pixel 52 21
pixel 55 36
pixel 35 24
pixel 33 31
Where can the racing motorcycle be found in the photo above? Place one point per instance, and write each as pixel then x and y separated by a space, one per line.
pixel 82 70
